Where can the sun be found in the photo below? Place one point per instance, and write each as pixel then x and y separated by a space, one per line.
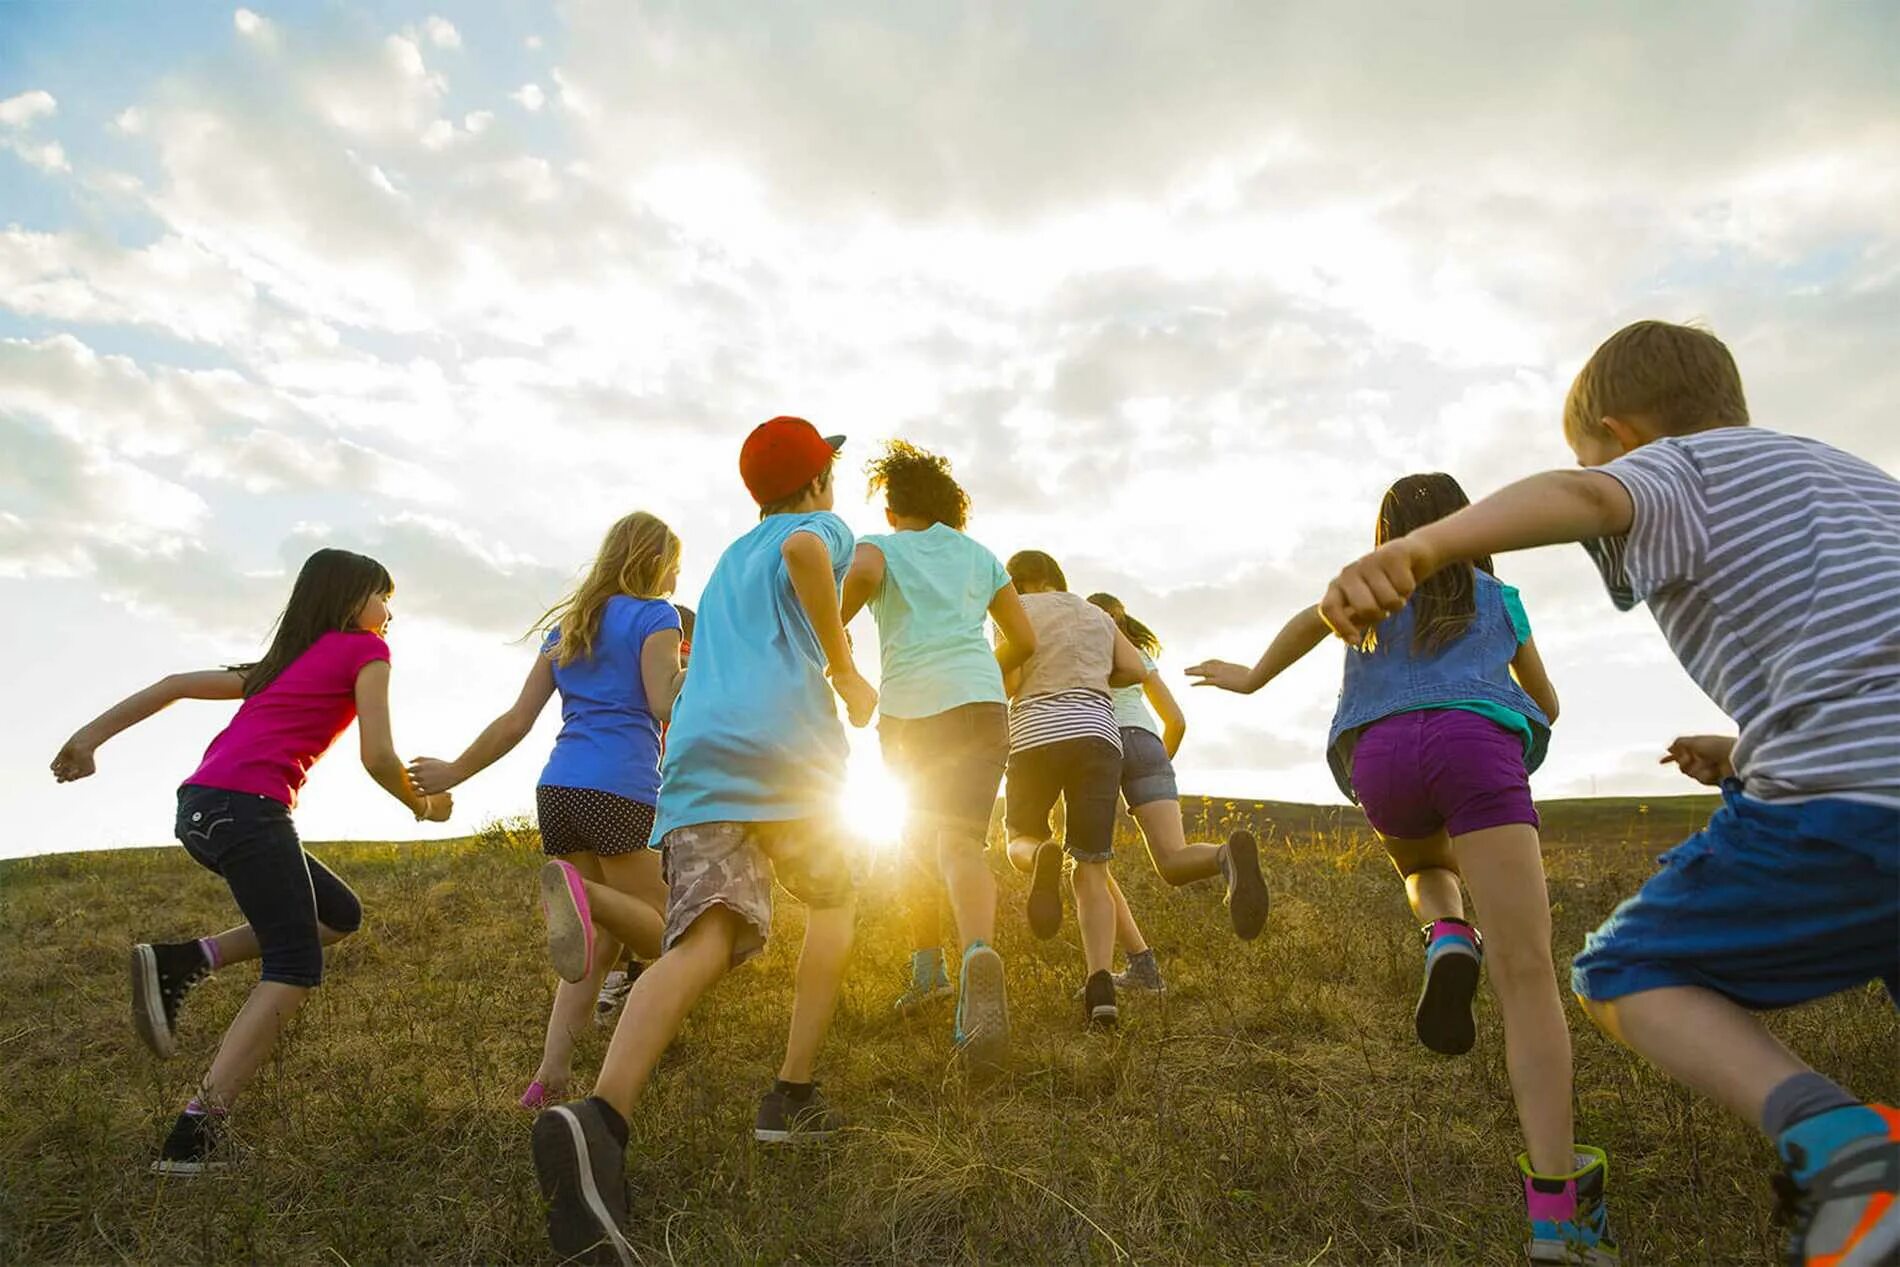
pixel 873 803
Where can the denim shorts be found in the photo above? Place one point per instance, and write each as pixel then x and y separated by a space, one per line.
pixel 1147 774
pixel 951 765
pixel 1770 905
pixel 284 893
pixel 1440 768
pixel 1086 773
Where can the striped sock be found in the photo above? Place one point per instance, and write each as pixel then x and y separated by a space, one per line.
pixel 209 945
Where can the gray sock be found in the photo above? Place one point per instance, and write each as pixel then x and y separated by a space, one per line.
pixel 1799 1098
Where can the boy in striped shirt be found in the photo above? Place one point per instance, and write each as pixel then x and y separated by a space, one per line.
pixel 1772 565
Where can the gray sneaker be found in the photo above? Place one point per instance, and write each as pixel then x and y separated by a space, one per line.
pixel 581 1169
pixel 1142 973
pixel 784 1120
pixel 983 1013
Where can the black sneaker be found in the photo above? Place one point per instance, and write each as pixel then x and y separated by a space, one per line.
pixel 788 1119
pixel 1454 956
pixel 193 1147
pixel 162 973
pixel 1045 890
pixel 1246 887
pixel 581 1168
pixel 1098 999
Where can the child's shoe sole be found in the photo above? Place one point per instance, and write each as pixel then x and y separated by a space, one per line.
pixel 1045 891
pixel 148 1004
pixel 580 1226
pixel 570 924
pixel 1247 906
pixel 1443 1020
pixel 984 1013
pixel 171 1169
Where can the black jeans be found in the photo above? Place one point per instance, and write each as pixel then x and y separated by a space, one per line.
pixel 1086 773
pixel 250 842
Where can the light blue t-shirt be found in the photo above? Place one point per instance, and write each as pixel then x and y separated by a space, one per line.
pixel 938 585
pixel 609 740
pixel 755 734
pixel 1131 703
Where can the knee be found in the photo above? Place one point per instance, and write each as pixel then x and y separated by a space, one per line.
pixel 342 917
pixel 1519 964
pixel 958 849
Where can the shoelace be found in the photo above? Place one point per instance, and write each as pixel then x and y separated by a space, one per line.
pixel 175 993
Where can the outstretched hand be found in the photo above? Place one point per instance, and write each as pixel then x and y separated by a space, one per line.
pixel 1707 759
pixel 1224 674
pixel 74 761
pixel 432 774
pixel 1376 586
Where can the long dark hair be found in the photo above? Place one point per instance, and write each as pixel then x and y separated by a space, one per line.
pixel 917 484
pixel 1145 639
pixel 1033 567
pixel 1444 606
pixel 331 588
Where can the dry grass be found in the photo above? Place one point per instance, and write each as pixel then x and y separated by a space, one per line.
pixel 1272 1107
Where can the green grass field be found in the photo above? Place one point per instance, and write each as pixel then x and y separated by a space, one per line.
pixel 1273 1107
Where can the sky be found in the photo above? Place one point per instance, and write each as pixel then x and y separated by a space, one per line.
pixel 1179 289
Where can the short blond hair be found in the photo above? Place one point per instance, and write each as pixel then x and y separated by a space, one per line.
pixel 1677 378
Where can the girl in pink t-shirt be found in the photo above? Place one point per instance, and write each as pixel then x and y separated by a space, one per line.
pixel 326 666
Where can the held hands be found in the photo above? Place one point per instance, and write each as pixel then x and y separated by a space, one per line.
pixel 1224 674
pixel 1366 592
pixel 432 774
pixel 74 761
pixel 1704 758
pixel 859 696
pixel 436 808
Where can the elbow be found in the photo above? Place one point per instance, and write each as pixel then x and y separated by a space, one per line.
pixel 1550 710
pixel 382 763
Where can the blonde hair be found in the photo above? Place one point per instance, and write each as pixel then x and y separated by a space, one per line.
pixel 1679 378
pixel 635 555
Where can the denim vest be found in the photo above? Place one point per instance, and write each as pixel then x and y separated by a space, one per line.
pixel 1475 668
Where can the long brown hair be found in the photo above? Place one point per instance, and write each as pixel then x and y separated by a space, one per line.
pixel 331 588
pixel 635 555
pixel 1033 567
pixel 1444 606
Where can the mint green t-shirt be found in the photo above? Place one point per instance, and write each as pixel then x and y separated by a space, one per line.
pixel 1131 703
pixel 938 585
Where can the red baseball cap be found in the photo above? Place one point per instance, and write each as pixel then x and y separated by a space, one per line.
pixel 782 455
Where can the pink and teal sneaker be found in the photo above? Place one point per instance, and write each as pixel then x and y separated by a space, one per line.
pixel 1454 955
pixel 1570 1221
pixel 1839 1190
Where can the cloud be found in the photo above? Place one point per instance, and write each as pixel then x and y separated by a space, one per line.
pixel 530 97
pixel 21 110
pixel 442 32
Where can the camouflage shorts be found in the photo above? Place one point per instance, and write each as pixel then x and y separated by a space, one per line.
pixel 733 865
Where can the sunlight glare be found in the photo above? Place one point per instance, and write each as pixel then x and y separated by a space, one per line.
pixel 873 803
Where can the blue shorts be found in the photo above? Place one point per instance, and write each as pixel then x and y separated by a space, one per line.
pixel 1147 774
pixel 1768 906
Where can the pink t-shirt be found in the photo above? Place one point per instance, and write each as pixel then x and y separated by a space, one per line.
pixel 279 733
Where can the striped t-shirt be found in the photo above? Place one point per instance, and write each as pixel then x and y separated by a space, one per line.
pixel 1772 565
pixel 1048 719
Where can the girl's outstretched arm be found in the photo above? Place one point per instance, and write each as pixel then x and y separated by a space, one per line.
pixel 1528 668
pixel 1300 635
pixel 808 567
pixel 861 581
pixel 379 749
pixel 1012 621
pixel 75 759
pixel 1173 720
pixel 661 673
pixel 431 774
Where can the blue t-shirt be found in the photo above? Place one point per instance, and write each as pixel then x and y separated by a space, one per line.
pixel 609 740
pixel 755 734
pixel 938 585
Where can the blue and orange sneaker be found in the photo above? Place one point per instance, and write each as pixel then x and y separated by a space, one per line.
pixel 1570 1220
pixel 1842 1171
pixel 1454 955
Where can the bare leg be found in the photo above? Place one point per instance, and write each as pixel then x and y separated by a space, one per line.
pixel 571 1015
pixel 821 965
pixel 633 920
pixel 659 1001
pixel 921 896
pixel 248 1041
pixel 1700 1038
pixel 1176 861
pixel 235 945
pixel 1022 851
pixel 1127 932
pixel 1505 871
pixel 1430 872
pixel 972 889
pixel 1095 915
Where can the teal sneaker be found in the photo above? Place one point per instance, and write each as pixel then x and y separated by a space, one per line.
pixel 1570 1220
pixel 983 1011
pixel 1838 1194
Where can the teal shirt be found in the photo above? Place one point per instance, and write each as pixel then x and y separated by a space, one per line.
pixel 755 734
pixel 938 586
pixel 1131 703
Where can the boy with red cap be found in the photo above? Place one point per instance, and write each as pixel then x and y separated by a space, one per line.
pixel 755 760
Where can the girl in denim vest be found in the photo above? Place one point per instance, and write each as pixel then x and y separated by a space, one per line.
pixel 1439 723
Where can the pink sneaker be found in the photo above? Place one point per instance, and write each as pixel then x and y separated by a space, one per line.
pixel 536 1096
pixel 570 923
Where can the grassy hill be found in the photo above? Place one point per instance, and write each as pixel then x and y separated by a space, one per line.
pixel 1272 1107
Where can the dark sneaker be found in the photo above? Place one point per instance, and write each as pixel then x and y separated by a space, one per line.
pixel 614 990
pixel 1839 1193
pixel 1454 953
pixel 1098 999
pixel 1045 890
pixel 784 1119
pixel 581 1169
pixel 1246 887
pixel 162 974
pixel 1143 974
pixel 983 1012
pixel 194 1147
pixel 1569 1216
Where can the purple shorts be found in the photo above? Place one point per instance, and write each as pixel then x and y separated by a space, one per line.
pixel 1444 767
